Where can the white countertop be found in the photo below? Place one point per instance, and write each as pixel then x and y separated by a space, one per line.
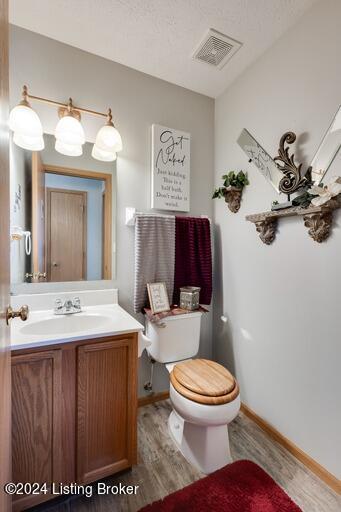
pixel 44 328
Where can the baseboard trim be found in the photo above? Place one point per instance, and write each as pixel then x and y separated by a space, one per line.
pixel 151 399
pixel 299 454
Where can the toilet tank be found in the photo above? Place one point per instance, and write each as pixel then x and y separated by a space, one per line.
pixel 178 339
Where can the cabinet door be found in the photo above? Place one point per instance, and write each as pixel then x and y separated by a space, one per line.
pixel 36 421
pixel 106 408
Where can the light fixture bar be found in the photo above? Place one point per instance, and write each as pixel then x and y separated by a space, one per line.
pixel 28 132
pixel 59 104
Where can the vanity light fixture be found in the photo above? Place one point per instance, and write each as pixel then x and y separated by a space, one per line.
pixel 69 133
pixel 68 149
pixel 26 125
pixel 108 138
pixel 105 156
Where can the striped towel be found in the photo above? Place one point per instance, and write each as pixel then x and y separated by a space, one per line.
pixel 154 255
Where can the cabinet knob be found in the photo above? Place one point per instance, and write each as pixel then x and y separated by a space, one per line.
pixel 22 313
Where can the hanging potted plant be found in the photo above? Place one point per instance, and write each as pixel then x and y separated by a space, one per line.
pixel 232 189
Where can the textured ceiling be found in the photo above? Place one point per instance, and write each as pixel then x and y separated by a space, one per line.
pixel 158 37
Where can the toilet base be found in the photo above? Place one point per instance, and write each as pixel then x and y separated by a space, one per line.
pixel 205 447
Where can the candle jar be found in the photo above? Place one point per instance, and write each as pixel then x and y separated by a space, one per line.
pixel 189 297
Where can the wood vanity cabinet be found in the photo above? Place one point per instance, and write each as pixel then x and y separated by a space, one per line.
pixel 36 420
pixel 106 409
pixel 74 412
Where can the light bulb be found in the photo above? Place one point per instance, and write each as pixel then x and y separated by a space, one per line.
pixel 70 131
pixel 109 139
pixel 27 142
pixel 25 121
pixel 104 156
pixel 68 149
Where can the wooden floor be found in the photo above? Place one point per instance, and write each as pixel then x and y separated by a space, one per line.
pixel 162 469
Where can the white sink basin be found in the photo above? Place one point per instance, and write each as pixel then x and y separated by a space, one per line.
pixel 66 324
pixel 44 328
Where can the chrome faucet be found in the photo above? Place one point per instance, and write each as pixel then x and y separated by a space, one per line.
pixel 68 307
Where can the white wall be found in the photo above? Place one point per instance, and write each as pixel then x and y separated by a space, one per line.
pixel 283 338
pixel 58 71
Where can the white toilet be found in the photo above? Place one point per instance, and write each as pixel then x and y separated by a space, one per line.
pixel 204 395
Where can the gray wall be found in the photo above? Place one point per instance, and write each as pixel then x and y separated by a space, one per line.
pixel 58 71
pixel 283 336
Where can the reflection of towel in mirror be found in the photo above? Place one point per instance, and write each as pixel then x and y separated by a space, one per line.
pixel 154 255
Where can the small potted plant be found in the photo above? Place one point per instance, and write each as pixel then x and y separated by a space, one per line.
pixel 232 189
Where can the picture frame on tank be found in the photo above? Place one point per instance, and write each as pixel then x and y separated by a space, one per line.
pixel 158 297
pixel 170 172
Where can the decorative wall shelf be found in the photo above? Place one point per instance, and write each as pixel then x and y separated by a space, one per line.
pixel 318 220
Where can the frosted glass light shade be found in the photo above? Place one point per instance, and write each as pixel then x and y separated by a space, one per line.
pixel 70 131
pixel 68 149
pixel 104 156
pixel 27 142
pixel 25 121
pixel 109 139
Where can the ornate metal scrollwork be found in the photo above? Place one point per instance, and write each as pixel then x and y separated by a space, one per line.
pixel 293 178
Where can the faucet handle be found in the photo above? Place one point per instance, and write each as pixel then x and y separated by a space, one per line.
pixel 58 304
pixel 76 302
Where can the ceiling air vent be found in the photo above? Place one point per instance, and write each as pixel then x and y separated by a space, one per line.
pixel 216 49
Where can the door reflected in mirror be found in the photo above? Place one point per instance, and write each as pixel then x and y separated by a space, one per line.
pixel 66 205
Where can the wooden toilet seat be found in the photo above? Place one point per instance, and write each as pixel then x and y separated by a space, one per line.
pixel 204 382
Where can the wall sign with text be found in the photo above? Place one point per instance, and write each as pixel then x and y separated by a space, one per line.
pixel 170 169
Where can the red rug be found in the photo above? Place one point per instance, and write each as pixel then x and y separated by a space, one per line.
pixel 239 487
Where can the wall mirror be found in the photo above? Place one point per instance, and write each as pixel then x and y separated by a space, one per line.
pixel 328 155
pixel 62 216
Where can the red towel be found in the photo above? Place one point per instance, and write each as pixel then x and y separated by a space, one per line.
pixel 193 257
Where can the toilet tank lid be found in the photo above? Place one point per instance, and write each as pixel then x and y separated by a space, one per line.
pixel 171 365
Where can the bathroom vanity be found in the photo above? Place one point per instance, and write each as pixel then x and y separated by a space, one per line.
pixel 74 397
